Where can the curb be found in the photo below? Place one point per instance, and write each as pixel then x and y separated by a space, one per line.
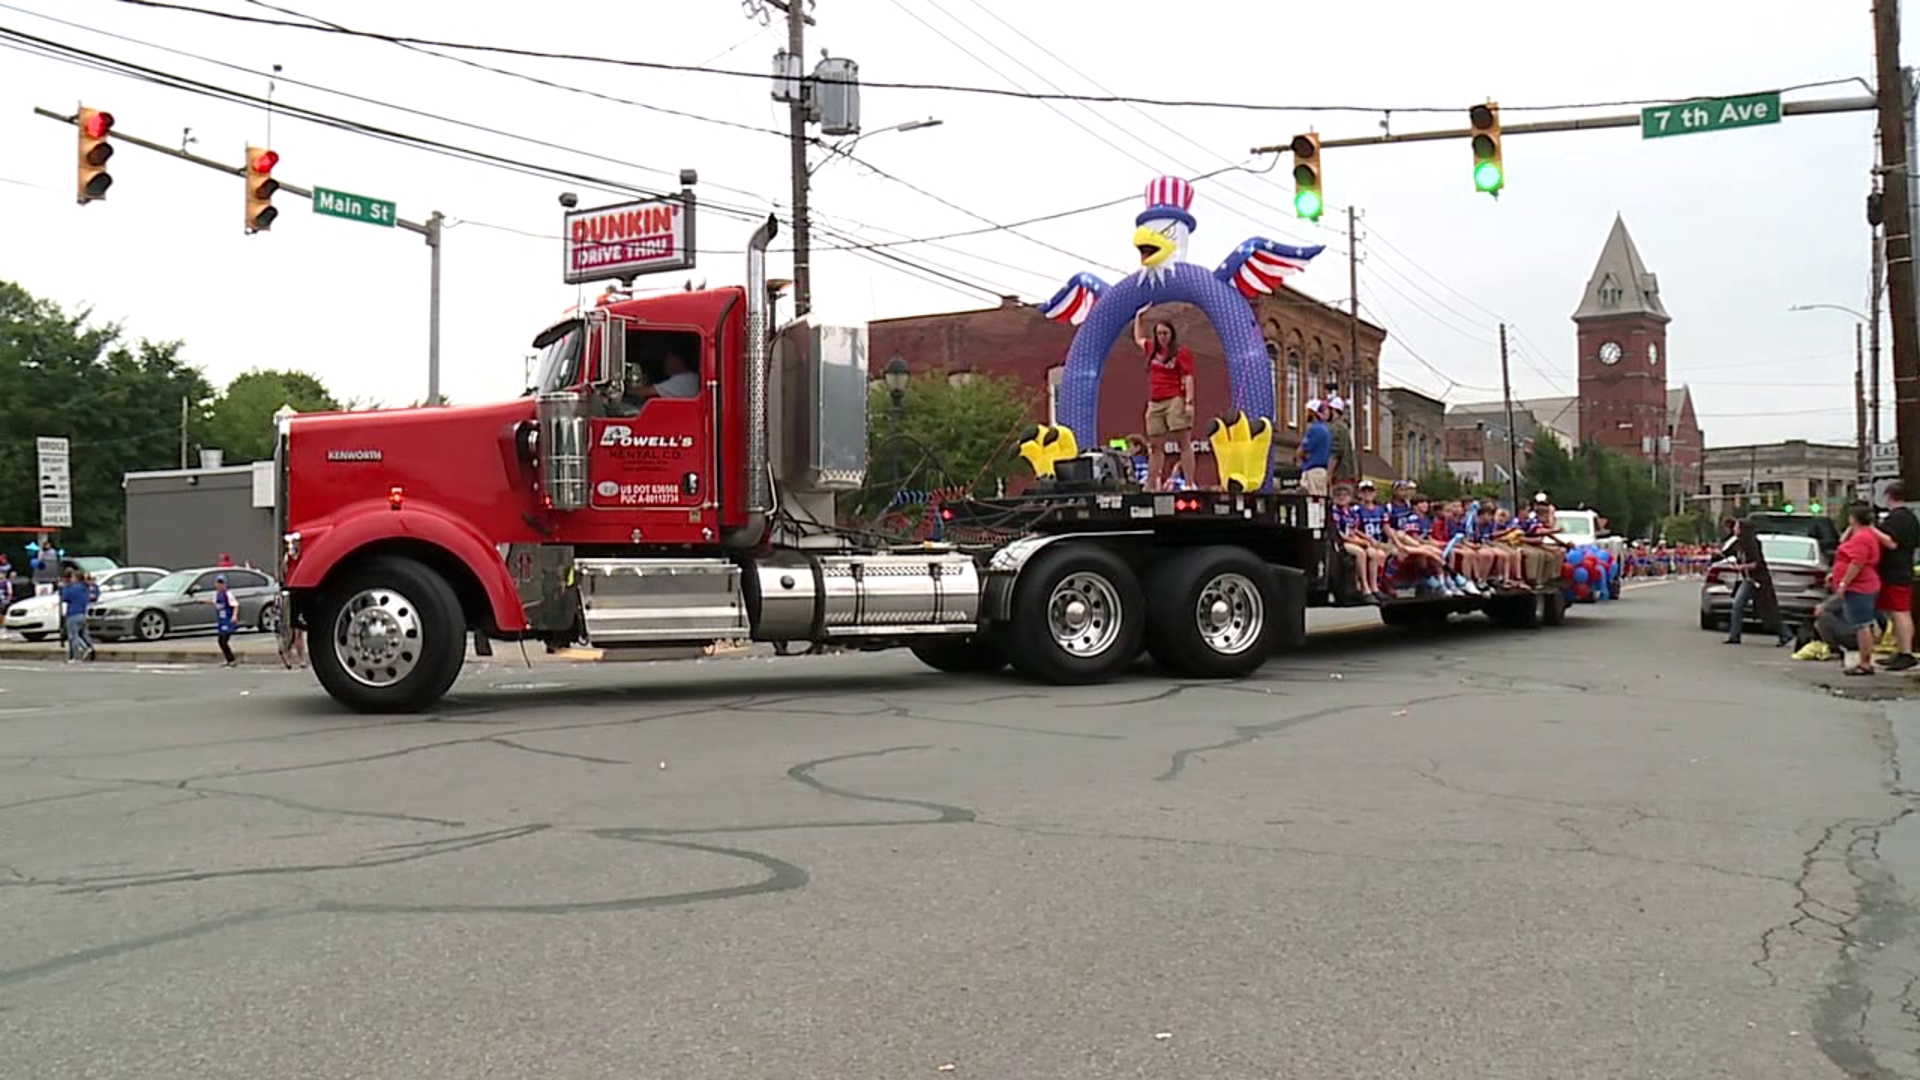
pixel 108 654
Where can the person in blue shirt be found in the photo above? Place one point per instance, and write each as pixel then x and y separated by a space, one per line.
pixel 75 596
pixel 1369 558
pixel 1316 450
pixel 225 618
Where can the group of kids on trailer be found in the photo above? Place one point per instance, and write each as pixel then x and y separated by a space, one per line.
pixel 1454 549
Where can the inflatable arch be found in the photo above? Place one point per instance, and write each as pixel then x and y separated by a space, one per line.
pixel 1105 312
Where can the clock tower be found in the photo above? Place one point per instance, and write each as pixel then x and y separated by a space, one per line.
pixel 1621 327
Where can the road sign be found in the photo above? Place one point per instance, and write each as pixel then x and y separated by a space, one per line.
pixel 1709 114
pixel 340 204
pixel 647 237
pixel 56 483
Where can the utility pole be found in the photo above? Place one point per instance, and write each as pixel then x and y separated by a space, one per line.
pixel 1353 329
pixel 1873 335
pixel 1513 439
pixel 799 111
pixel 1895 172
pixel 183 431
pixel 1859 409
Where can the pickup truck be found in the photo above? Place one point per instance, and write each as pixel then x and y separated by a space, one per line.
pixel 1582 528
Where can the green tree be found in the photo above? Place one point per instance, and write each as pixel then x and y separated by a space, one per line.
pixel 242 422
pixel 953 434
pixel 1632 495
pixel 118 402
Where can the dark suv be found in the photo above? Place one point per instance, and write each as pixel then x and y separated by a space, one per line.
pixel 1818 526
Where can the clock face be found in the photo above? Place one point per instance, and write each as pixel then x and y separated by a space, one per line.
pixel 1653 353
pixel 1610 353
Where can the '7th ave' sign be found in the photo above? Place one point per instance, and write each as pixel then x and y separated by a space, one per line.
pixel 1709 114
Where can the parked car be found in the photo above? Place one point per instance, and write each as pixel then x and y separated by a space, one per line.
pixel 182 602
pixel 1818 526
pixel 38 618
pixel 1798 566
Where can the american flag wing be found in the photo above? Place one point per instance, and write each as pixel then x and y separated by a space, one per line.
pixel 1256 266
pixel 1072 303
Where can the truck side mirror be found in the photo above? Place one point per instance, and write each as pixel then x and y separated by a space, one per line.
pixel 607 340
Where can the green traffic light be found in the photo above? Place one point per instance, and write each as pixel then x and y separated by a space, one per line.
pixel 1486 176
pixel 1307 204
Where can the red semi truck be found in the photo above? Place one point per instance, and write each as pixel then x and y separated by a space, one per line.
pixel 594 510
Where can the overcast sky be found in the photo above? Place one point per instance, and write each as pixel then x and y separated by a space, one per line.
pixel 1738 225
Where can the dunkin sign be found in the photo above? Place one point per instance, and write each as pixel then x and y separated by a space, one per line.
pixel 646 237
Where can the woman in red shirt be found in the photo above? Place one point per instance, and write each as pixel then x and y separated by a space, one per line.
pixel 1856 579
pixel 1169 400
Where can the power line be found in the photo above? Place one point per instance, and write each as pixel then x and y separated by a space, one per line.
pixel 1112 99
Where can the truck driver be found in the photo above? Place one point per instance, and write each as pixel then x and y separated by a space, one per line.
pixel 678 380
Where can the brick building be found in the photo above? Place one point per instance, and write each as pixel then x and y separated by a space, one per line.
pixel 1413 431
pixel 1796 473
pixel 1477 444
pixel 1308 341
pixel 1621 336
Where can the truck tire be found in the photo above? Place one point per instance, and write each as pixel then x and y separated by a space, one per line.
pixel 1411 615
pixel 968 654
pixel 1079 615
pixel 1553 609
pixel 1515 612
pixel 1212 612
pixel 388 636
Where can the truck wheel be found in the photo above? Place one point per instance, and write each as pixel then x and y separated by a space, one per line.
pixel 969 654
pixel 1078 615
pixel 388 637
pixel 1515 612
pixel 1212 612
pixel 1553 609
pixel 1404 615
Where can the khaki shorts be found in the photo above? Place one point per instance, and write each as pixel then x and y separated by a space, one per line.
pixel 1170 415
pixel 1314 482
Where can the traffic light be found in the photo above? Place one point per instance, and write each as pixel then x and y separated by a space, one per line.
pixel 1308 201
pixel 1489 174
pixel 94 127
pixel 260 188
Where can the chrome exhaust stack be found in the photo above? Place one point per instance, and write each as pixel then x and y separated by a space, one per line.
pixel 759 475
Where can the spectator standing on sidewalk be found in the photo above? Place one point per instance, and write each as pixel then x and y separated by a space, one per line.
pixel 1901 532
pixel 224 621
pixel 1856 577
pixel 75 595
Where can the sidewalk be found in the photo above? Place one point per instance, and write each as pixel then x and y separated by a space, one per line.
pixel 263 649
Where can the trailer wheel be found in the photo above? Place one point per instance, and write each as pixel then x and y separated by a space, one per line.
pixel 1406 615
pixel 1212 612
pixel 969 654
pixel 1553 609
pixel 1078 615
pixel 1515 612
pixel 388 637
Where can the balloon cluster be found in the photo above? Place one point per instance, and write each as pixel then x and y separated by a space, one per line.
pixel 1590 574
pixel 33 555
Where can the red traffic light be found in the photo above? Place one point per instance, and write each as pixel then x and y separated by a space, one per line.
pixel 96 125
pixel 264 163
pixel 1480 116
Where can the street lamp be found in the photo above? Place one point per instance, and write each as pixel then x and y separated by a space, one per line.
pixel 897 376
pixel 845 149
pixel 1872 434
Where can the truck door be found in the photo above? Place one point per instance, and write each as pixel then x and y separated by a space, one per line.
pixel 652 461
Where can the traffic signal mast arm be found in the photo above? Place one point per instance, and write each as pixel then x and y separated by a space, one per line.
pixel 1584 123
pixel 208 163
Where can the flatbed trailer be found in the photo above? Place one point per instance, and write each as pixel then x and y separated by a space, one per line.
pixel 1210 583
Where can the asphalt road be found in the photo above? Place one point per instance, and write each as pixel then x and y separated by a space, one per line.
pixel 1613 849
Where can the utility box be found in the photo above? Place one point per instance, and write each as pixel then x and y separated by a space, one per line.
pixel 836 87
pixel 819 422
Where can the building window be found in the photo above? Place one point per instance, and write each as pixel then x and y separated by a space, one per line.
pixel 1411 464
pixel 1293 390
pixel 1053 392
pixel 1365 391
pixel 1313 377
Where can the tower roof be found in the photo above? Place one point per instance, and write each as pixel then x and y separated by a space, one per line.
pixel 1621 284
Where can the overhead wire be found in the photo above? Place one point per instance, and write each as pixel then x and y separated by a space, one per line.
pixel 1118 99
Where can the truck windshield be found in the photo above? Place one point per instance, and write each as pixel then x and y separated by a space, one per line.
pixel 559 360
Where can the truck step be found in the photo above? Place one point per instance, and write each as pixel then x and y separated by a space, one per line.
pixel 633 601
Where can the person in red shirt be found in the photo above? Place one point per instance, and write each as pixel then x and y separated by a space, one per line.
pixel 1169 400
pixel 1855 578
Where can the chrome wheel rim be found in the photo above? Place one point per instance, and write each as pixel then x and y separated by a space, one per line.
pixel 1230 614
pixel 270 617
pixel 1083 614
pixel 153 626
pixel 377 637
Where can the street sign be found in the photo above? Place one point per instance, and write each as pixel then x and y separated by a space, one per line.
pixel 56 483
pixel 340 204
pixel 1709 114
pixel 648 237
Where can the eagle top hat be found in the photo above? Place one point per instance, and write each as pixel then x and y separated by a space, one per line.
pixel 1169 198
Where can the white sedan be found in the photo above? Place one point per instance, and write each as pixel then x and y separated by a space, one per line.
pixel 38 617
